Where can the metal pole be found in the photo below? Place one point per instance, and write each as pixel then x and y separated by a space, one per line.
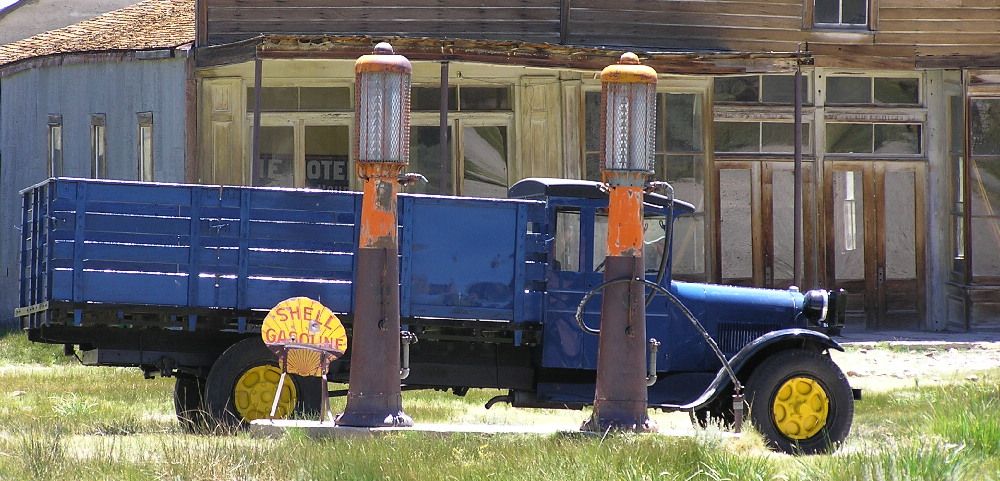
pixel 443 132
pixel 258 69
pixel 797 208
pixel 382 86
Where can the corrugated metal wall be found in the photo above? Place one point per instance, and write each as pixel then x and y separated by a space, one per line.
pixel 117 89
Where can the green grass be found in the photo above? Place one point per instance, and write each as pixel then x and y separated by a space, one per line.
pixel 59 420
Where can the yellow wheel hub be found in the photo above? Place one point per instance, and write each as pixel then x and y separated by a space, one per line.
pixel 800 408
pixel 254 393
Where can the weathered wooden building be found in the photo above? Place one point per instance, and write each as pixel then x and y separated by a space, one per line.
pixel 901 123
pixel 901 116
pixel 102 98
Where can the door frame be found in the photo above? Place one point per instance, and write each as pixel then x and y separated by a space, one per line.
pixel 873 174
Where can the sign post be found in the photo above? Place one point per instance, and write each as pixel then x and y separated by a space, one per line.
pixel 306 337
pixel 382 144
pixel 628 122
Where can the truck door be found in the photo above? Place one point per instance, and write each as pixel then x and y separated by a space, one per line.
pixel 579 252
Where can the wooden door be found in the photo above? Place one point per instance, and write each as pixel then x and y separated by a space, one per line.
pixel 875 241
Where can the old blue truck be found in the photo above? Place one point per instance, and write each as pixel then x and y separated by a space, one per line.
pixel 175 279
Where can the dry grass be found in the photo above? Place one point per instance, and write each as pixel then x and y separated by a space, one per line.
pixel 62 421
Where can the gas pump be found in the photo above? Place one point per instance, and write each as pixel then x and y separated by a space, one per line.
pixel 628 122
pixel 382 146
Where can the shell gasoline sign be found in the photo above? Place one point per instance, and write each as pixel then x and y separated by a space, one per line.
pixel 302 324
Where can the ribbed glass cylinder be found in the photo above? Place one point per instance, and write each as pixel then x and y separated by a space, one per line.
pixel 382 112
pixel 629 126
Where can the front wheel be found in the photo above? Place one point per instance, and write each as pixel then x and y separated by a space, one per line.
pixel 241 387
pixel 800 402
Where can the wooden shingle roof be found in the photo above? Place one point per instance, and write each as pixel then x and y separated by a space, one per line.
pixel 147 25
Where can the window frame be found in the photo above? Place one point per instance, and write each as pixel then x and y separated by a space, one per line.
pixel 54 130
pixel 809 19
pixel 98 146
pixel 144 121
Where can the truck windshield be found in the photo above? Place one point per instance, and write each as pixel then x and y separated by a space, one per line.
pixel 654 232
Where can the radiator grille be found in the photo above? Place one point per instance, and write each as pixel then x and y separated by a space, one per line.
pixel 734 335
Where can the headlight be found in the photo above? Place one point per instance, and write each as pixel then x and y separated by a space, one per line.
pixel 816 306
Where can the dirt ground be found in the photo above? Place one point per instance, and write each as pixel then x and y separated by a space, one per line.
pixel 884 361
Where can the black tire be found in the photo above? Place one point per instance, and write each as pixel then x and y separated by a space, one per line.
pixel 719 412
pixel 189 393
pixel 232 364
pixel 818 369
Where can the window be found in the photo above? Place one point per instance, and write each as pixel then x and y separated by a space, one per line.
pixel 476 162
pixel 758 137
pixel 841 13
pixel 145 146
pixel 868 138
pixel 98 147
pixel 679 159
pixel 55 138
pixel 759 89
pixel 872 90
pixel 304 139
pixel 984 179
pixel 956 156
pixel 301 99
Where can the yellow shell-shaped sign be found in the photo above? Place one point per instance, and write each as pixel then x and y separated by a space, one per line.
pixel 301 321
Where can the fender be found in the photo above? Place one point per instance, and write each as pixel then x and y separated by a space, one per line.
pixel 770 342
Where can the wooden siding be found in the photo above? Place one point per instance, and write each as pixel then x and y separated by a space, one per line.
pixel 526 20
pixel 906 33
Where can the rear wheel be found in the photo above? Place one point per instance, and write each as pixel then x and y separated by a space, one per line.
pixel 189 392
pixel 800 401
pixel 241 386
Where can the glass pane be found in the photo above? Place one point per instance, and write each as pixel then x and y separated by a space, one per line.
pixel 686 174
pixel 654 236
pixel 849 138
pixel 854 12
pixel 782 225
pixel 277 153
pixel 99 164
pixel 485 98
pixel 984 117
pixel 684 120
pixel 849 225
pixel 485 150
pixel 275 99
pixel 780 89
pixel 429 98
pixel 567 248
pixel 900 226
pixel 737 89
pixel 55 151
pixel 146 153
pixel 689 248
pixel 737 136
pixel 897 139
pixel 600 239
pixel 327 151
pixel 984 186
pixel 897 91
pixel 425 159
pixel 827 11
pixel 985 239
pixel 324 98
pixel 778 137
pixel 848 90
pixel 661 122
pixel 736 220
pixel 592 112
pixel 958 239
